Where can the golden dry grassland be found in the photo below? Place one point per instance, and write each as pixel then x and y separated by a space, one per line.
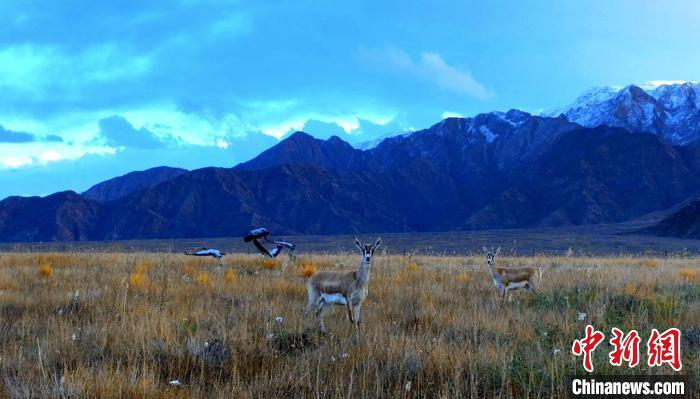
pixel 127 324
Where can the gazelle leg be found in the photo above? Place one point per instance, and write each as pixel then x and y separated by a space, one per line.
pixel 356 312
pixel 320 313
pixel 321 326
pixel 350 313
pixel 532 288
pixel 313 303
pixel 320 307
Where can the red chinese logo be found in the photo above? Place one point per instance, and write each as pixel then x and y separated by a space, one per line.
pixel 587 345
pixel 665 348
pixel 661 348
pixel 626 348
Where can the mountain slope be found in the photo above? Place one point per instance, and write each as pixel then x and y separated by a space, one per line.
pixel 122 186
pixel 593 176
pixel 684 223
pixel 64 216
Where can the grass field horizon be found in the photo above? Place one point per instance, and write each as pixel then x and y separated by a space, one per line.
pixel 588 240
pixel 128 324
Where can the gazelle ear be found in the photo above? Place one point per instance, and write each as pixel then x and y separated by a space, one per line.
pixel 358 244
pixel 498 251
pixel 378 242
pixel 485 250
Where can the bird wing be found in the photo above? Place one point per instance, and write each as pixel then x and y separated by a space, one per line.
pixel 262 249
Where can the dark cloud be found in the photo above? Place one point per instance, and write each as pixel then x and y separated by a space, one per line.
pixel 53 138
pixel 118 132
pixel 9 136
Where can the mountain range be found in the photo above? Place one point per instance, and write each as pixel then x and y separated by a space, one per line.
pixel 617 154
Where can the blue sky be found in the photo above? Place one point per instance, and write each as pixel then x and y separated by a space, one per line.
pixel 91 90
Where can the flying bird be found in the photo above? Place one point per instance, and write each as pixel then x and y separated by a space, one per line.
pixel 213 252
pixel 262 233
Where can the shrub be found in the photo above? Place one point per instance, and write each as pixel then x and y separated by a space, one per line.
pixel 203 278
pixel 308 268
pixel 45 270
pixel 144 266
pixel 230 276
pixel 138 280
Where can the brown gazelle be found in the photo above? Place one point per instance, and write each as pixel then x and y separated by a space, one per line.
pixel 510 279
pixel 329 288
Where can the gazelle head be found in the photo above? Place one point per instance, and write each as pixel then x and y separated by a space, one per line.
pixel 490 255
pixel 367 249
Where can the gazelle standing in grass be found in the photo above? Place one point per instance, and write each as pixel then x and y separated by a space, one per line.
pixel 510 279
pixel 329 288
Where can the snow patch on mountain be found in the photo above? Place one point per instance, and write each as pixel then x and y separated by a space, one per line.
pixel 655 84
pixel 488 134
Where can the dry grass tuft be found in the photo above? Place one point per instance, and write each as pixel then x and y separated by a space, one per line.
pixel 690 275
pixel 650 263
pixel 230 276
pixel 643 290
pixel 203 278
pixel 271 264
pixel 465 278
pixel 412 267
pixel 144 266
pixel 8 283
pixel 139 280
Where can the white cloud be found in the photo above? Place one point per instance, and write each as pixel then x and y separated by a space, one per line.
pixel 280 129
pixel 451 78
pixel 223 144
pixel 50 156
pixel 15 162
pixel 349 125
pixel 652 84
pixel 430 67
pixel 42 154
pixel 450 114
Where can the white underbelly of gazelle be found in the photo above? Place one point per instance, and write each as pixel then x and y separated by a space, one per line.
pixel 517 286
pixel 336 299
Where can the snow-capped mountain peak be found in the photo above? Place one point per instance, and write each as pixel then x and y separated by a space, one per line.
pixel 670 109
